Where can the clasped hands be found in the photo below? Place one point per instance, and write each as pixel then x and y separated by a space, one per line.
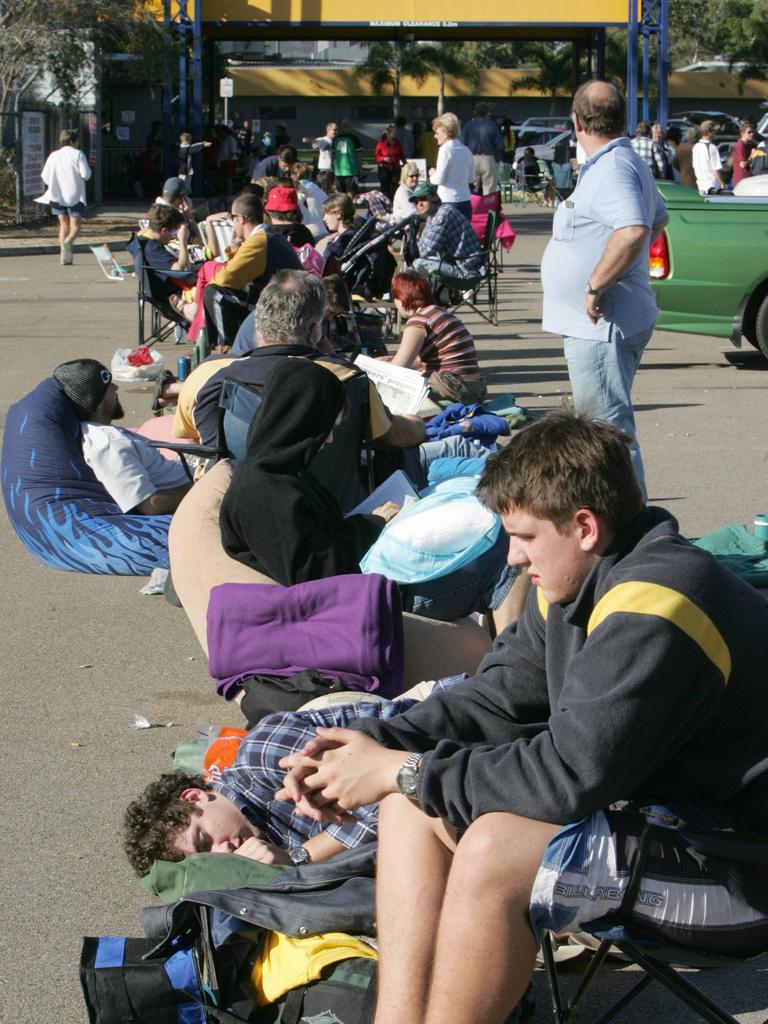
pixel 337 771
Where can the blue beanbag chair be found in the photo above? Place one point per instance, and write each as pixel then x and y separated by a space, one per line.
pixel 57 506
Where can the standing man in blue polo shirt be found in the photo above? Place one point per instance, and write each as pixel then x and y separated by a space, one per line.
pixel 595 268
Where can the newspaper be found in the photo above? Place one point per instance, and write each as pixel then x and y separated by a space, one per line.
pixel 402 390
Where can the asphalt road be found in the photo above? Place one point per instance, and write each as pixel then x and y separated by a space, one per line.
pixel 83 654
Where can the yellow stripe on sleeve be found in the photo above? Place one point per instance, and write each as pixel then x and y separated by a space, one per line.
pixel 638 598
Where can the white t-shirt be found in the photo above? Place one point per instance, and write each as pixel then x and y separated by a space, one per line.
pixel 313 197
pixel 706 160
pixel 126 466
pixel 402 206
pixel 455 169
pixel 65 173
pixel 324 146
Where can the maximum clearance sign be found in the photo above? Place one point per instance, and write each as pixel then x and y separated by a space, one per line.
pixel 406 13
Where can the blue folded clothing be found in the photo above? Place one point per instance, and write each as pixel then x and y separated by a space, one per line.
pixel 467 421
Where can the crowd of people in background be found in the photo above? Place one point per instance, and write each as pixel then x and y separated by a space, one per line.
pixel 696 160
pixel 235 153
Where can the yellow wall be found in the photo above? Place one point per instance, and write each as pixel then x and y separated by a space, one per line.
pixel 535 12
pixel 494 82
pixel 342 82
pixel 713 85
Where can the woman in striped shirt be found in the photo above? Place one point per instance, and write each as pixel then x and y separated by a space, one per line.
pixel 436 342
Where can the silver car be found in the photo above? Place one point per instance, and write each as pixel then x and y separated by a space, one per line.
pixel 544 142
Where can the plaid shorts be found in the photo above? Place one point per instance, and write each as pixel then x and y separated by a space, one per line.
pixel 584 875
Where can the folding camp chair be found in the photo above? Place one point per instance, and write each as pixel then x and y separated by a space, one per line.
pixel 226 309
pixel 163 317
pixel 504 176
pixel 345 466
pixel 466 291
pixel 656 956
pixel 532 185
pixel 113 271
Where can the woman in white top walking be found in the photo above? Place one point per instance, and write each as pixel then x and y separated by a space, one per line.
pixel 455 165
pixel 65 174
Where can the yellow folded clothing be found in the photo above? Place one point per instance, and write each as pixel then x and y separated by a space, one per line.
pixel 285 962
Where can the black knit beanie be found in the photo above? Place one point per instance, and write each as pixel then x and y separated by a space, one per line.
pixel 84 382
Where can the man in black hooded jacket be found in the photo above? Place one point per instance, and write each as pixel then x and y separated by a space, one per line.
pixel 631 691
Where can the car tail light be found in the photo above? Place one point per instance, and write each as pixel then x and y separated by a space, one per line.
pixel 658 258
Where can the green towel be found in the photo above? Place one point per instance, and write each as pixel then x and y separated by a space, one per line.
pixel 740 551
pixel 188 757
pixel 173 880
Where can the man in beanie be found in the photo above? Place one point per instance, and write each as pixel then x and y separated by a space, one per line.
pixel 138 478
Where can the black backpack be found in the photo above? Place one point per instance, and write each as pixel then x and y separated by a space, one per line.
pixel 126 981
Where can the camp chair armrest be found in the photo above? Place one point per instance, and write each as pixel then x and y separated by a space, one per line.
pixel 185 448
pixel 201 451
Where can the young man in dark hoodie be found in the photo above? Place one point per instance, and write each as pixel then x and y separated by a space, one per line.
pixel 635 677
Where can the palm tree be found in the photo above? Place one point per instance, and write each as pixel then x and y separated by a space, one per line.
pixel 450 58
pixel 616 58
pixel 554 70
pixel 388 63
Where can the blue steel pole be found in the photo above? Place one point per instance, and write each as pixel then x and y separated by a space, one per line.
pixel 646 73
pixel 197 92
pixel 632 40
pixel 167 88
pixel 663 63
pixel 182 21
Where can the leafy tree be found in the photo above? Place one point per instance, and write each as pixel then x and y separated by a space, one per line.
pixel 553 74
pixel 449 58
pixel 743 36
pixel 616 57
pixel 691 31
pixel 60 38
pixel 388 63
pixel 496 55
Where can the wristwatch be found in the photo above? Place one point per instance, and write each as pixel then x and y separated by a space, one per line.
pixel 408 777
pixel 299 855
pixel 591 290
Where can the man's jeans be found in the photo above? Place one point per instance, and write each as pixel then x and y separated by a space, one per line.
pixel 437 265
pixel 601 374
pixel 415 462
pixel 479 586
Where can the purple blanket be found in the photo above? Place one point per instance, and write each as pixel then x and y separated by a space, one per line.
pixel 346 626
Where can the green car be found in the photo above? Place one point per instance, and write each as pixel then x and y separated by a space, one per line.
pixel 709 267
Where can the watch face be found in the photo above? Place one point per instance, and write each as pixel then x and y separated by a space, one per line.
pixel 299 855
pixel 407 781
